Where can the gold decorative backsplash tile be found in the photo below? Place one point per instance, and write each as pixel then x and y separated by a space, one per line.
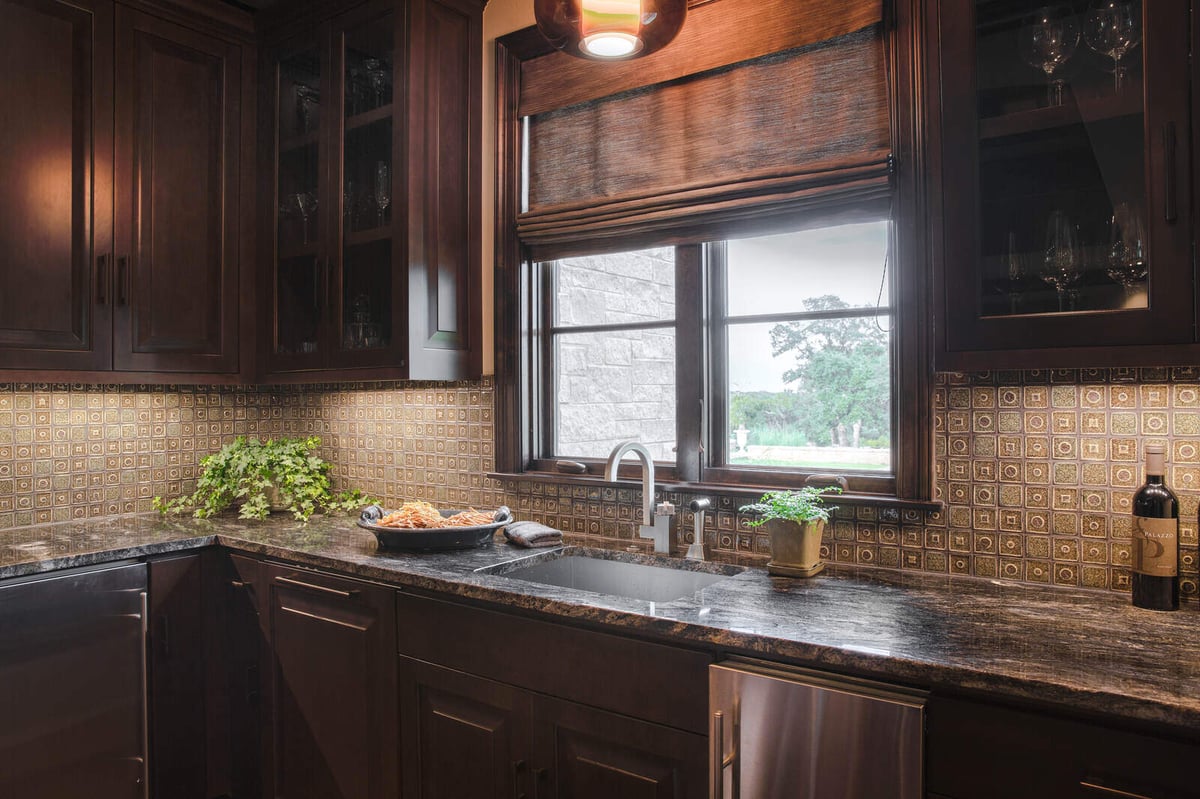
pixel 1036 469
pixel 75 451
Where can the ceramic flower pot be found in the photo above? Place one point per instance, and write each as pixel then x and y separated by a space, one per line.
pixel 795 548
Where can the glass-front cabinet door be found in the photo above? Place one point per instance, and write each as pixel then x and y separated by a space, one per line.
pixel 301 269
pixel 338 180
pixel 370 172
pixel 1064 166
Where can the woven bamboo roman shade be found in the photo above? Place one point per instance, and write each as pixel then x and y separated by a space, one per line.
pixel 759 105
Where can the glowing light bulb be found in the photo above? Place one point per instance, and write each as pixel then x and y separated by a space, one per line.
pixel 611 28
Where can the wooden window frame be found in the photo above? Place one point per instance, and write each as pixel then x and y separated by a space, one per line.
pixel 519 342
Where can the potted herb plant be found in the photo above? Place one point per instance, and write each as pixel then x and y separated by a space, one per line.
pixel 261 476
pixel 795 521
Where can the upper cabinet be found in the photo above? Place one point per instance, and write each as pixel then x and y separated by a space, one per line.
pixel 371 193
pixel 1061 188
pixel 56 204
pixel 120 217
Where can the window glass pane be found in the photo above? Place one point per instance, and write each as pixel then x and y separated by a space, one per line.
pixel 612 387
pixel 795 271
pixel 617 288
pixel 813 395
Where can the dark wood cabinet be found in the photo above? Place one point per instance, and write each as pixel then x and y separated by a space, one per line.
pixel 370 188
pixel 73 685
pixel 178 123
pixel 121 220
pixel 983 751
pixel 332 710
pixel 1061 205
pixel 178 649
pixel 465 735
pixel 56 148
pixel 550 727
pixel 461 735
pixel 583 753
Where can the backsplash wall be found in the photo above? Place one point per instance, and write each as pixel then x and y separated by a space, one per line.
pixel 1036 468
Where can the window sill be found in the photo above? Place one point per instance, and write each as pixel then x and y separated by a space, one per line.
pixel 717 489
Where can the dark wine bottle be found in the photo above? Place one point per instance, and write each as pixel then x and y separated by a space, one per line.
pixel 1155 538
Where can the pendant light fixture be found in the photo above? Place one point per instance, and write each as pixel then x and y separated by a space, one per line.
pixel 610 30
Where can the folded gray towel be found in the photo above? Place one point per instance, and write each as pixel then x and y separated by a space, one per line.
pixel 532 534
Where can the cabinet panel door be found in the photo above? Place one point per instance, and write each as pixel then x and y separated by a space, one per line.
pixel 178 122
pixel 581 753
pixel 178 650
pixel 72 685
pixel 462 735
pixel 333 687
pixel 444 238
pixel 55 205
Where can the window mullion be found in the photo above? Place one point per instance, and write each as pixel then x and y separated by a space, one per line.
pixel 689 359
pixel 547 424
pixel 717 388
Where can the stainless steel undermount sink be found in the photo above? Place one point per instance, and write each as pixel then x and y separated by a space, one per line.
pixel 615 574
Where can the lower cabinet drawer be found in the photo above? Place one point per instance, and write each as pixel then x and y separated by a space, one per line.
pixel 658 683
pixel 981 751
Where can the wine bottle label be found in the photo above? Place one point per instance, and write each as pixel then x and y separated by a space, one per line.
pixel 1156 546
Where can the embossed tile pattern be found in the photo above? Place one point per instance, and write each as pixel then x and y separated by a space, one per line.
pixel 1036 468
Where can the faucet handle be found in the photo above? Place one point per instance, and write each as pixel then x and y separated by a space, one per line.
pixel 664 509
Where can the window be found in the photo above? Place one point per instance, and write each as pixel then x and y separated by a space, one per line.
pixel 793 360
pixel 748 299
pixel 805 342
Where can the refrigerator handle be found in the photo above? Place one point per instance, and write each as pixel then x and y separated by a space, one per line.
pixel 719 761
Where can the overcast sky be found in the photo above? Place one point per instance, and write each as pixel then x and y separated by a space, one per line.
pixel 775 274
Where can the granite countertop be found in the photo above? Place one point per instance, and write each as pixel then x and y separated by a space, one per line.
pixel 1074 649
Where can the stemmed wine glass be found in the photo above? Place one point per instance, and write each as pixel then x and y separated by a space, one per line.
pixel 383 189
pixel 1048 42
pixel 1113 28
pixel 1015 266
pixel 307 100
pixel 349 201
pixel 377 74
pixel 1127 248
pixel 306 204
pixel 1063 260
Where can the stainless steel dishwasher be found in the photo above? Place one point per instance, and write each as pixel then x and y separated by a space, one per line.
pixel 785 733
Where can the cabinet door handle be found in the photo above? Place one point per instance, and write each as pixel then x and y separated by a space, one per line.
pixel 252 692
pixel 164 636
pixel 122 280
pixel 539 776
pixel 102 279
pixel 319 588
pixel 329 287
pixel 1104 790
pixel 517 767
pixel 1170 201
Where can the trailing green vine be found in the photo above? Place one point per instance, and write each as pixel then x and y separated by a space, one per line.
pixel 248 470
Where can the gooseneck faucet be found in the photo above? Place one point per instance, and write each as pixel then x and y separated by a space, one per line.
pixel 650 528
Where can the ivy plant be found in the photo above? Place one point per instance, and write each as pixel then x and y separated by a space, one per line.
pixel 805 505
pixel 250 472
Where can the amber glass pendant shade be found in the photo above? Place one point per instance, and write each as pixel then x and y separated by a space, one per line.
pixel 610 30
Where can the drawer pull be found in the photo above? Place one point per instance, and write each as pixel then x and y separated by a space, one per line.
pixel 318 588
pixel 1104 790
